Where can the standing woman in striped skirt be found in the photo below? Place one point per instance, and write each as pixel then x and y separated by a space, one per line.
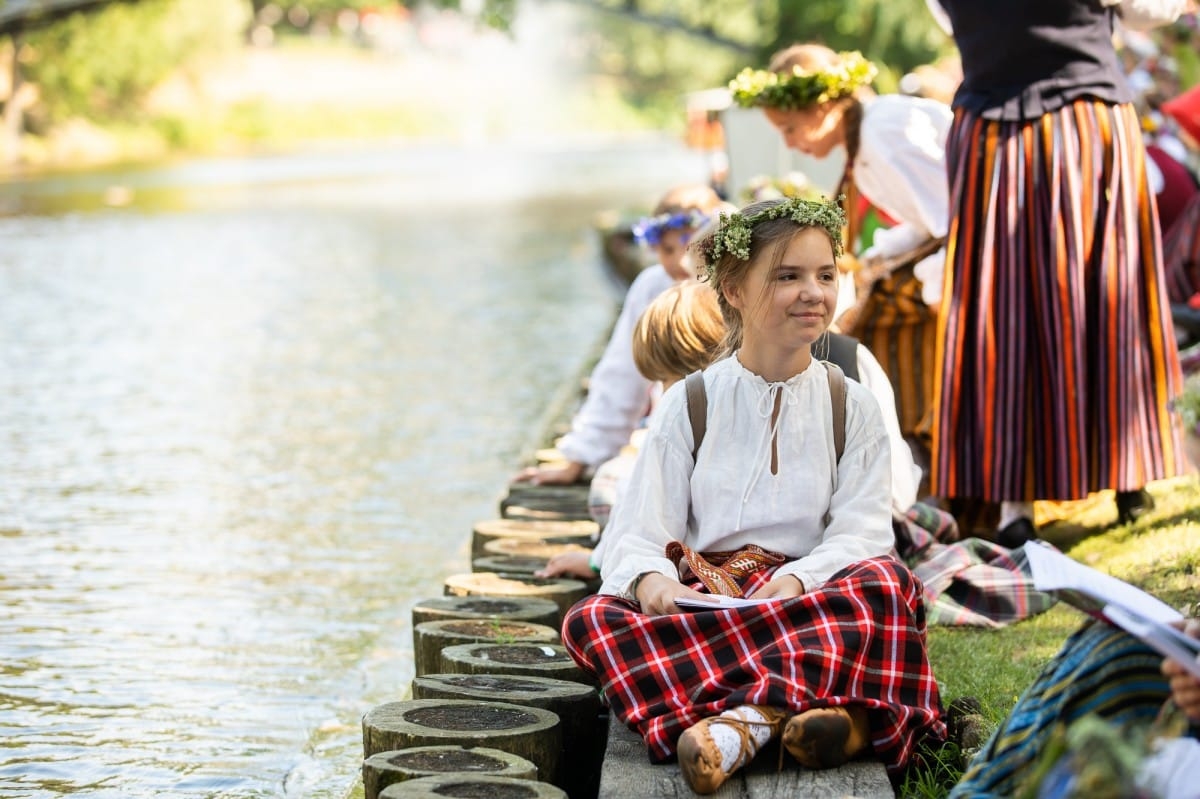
pixel 786 499
pixel 1057 359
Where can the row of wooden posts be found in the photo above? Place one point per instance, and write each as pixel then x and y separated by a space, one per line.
pixel 498 709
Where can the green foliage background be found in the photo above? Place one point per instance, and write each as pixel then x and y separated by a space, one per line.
pixel 639 56
pixel 652 63
pixel 99 65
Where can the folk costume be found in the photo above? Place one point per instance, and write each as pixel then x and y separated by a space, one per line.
pixel 857 636
pixel 1056 353
pixel 608 484
pixel 895 146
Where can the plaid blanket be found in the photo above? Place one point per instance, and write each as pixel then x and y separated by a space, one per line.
pixel 860 639
pixel 971 582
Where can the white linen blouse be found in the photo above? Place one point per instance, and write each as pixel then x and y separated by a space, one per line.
pixel 618 395
pixel 901 169
pixel 822 515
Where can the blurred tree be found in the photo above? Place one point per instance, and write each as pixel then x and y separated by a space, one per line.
pixel 101 64
pixel 653 50
pixel 898 33
pixel 681 45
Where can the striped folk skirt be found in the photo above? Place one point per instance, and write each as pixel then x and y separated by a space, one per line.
pixel 1056 351
pixel 899 329
pixel 859 639
pixel 1100 670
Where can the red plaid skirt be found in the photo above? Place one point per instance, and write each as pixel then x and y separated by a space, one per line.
pixel 859 639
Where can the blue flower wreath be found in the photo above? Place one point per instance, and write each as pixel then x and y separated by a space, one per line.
pixel 649 230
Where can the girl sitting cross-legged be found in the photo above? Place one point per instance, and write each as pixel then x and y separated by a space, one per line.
pixel 786 501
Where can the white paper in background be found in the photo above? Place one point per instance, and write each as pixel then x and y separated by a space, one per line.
pixel 1054 571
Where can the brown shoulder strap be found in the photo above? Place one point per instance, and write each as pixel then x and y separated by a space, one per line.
pixel 837 396
pixel 697 406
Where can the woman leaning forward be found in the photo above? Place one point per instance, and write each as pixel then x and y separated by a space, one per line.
pixel 833 657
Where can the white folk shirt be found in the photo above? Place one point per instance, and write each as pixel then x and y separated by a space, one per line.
pixel 901 169
pixel 618 395
pixel 732 499
pixel 906 475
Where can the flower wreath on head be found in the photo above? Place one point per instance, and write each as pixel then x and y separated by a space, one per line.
pixel 733 232
pixel 649 230
pixel 802 88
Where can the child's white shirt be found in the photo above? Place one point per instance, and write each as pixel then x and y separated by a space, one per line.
pixel 618 396
pixel 732 499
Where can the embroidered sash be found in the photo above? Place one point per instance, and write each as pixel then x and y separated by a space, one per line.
pixel 721 571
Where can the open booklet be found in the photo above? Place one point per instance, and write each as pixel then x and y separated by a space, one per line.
pixel 1125 605
pixel 715 601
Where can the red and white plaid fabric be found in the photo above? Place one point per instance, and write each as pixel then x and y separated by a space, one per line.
pixel 859 639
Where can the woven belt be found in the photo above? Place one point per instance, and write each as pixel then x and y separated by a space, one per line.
pixel 721 572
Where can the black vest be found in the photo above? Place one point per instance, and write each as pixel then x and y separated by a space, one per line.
pixel 1025 58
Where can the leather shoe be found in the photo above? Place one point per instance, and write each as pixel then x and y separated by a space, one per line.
pixel 1016 533
pixel 1132 505
pixel 827 737
pixel 700 758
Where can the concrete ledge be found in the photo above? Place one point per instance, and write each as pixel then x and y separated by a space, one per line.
pixel 627 772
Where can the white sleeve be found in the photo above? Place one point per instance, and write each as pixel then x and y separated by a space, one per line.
pixel 931 270
pixel 906 475
pixel 905 148
pixel 859 520
pixel 654 507
pixel 1140 15
pixel 618 395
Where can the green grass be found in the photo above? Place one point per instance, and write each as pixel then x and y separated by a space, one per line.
pixel 1160 553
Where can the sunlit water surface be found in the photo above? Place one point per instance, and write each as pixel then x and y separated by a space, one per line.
pixel 247 418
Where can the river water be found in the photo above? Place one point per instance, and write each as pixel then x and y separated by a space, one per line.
pixel 249 410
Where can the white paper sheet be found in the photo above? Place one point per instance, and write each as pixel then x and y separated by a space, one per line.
pixel 1166 640
pixel 1054 571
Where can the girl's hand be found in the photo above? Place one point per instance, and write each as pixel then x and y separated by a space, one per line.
pixel 567 474
pixel 575 563
pixel 785 586
pixel 1185 689
pixel 656 593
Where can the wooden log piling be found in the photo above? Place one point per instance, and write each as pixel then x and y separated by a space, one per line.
pixel 529 609
pixel 466 786
pixel 547 531
pixel 529 732
pixel 563 592
pixel 387 768
pixel 431 637
pixel 541 502
pixel 527 660
pixel 524 565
